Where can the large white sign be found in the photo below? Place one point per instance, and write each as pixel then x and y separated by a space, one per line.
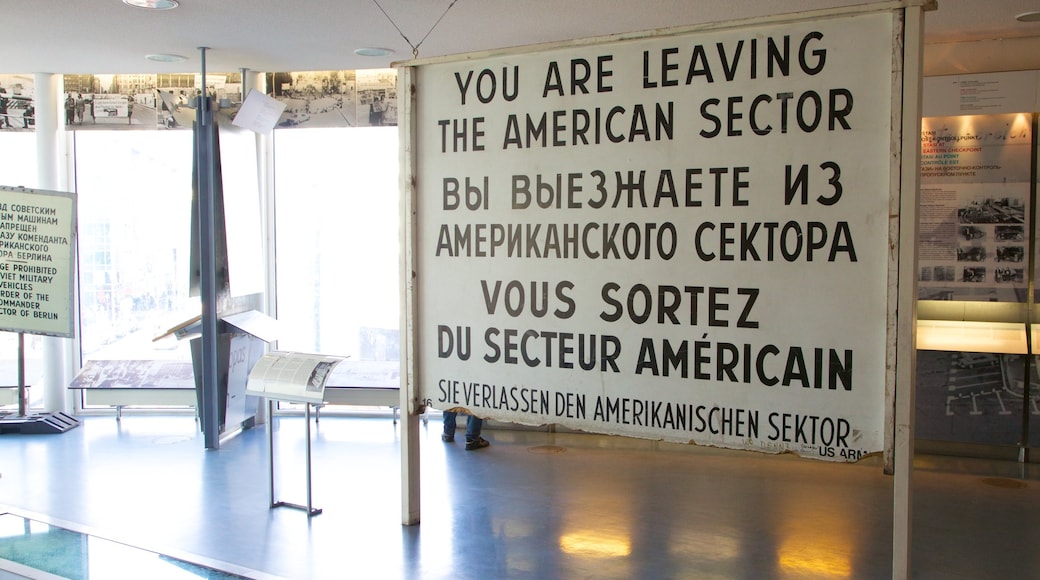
pixel 37 249
pixel 681 236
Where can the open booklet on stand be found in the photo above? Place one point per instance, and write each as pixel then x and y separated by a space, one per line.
pixel 292 376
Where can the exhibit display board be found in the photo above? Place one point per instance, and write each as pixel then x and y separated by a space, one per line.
pixel 681 236
pixel 976 373
pixel 975 190
pixel 37 253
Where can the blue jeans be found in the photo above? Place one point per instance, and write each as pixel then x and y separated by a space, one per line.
pixel 473 425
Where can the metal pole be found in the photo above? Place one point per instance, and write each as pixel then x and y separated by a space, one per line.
pixel 22 395
pixel 270 446
pixel 1023 444
pixel 207 263
pixel 310 504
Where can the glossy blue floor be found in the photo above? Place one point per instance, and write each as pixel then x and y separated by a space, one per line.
pixel 533 505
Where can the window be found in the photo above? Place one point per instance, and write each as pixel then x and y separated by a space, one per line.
pixel 18 151
pixel 337 216
pixel 134 201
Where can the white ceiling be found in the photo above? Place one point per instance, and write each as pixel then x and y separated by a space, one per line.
pixel 107 36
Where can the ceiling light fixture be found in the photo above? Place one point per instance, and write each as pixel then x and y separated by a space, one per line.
pixel 153 4
pixel 1028 17
pixel 166 57
pixel 371 51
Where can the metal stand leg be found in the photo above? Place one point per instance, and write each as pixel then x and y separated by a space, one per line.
pixel 310 505
pixel 270 448
pixel 309 508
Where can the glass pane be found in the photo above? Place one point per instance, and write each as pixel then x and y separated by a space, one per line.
pixel 18 150
pixel 57 552
pixel 337 249
pixel 134 235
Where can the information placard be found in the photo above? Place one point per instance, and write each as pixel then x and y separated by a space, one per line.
pixel 682 236
pixel 291 376
pixel 37 253
pixel 975 195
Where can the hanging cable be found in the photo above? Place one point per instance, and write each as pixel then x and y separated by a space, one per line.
pixel 415 47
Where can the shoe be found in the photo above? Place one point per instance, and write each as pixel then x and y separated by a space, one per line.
pixel 447 438
pixel 478 443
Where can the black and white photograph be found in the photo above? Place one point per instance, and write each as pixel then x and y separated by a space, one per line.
pixel 1006 210
pixel 17 105
pixel 144 101
pixel 970 233
pixel 1011 253
pixel 124 374
pixel 1009 275
pixel 176 95
pixel 109 102
pixel 974 275
pixel 377 97
pixel 1009 233
pixel 316 382
pixel 315 98
pixel 971 254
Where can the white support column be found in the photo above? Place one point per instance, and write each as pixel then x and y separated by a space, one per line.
pixel 255 80
pixel 265 166
pixel 57 352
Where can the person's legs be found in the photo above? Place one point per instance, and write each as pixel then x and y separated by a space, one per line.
pixel 449 427
pixel 473 438
pixel 473 427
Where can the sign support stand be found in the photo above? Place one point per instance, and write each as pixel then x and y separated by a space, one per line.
pixel 309 508
pixel 45 307
pixel 293 377
pixel 205 162
pixel 23 396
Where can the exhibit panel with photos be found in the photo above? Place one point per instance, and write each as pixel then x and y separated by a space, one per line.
pixel 977 378
pixel 116 102
pixel 974 204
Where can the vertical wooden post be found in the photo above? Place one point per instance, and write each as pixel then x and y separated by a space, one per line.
pixel 906 324
pixel 411 406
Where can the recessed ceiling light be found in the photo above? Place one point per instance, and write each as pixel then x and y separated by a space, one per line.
pixel 1028 17
pixel 153 4
pixel 166 57
pixel 369 51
